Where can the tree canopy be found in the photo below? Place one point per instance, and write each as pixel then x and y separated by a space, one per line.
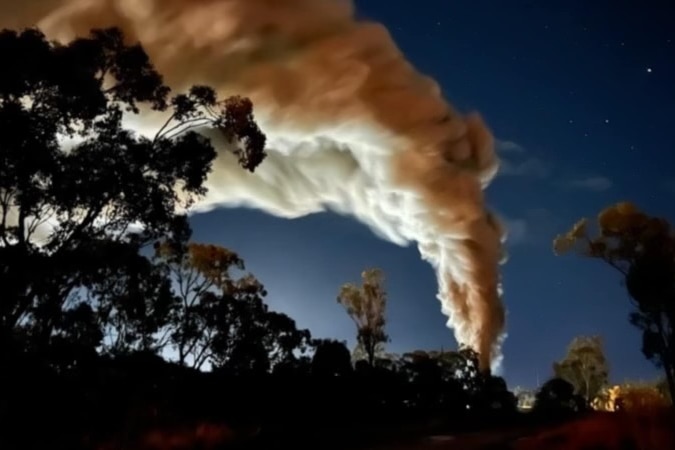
pixel 366 306
pixel 642 249
pixel 81 194
pixel 584 367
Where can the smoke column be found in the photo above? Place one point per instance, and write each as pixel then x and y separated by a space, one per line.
pixel 351 127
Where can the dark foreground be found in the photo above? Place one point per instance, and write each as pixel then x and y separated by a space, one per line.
pixel 593 431
pixel 145 404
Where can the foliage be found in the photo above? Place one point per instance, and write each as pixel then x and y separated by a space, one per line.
pixel 584 366
pixel 556 398
pixel 220 318
pixel 633 396
pixel 451 381
pixel 366 305
pixel 132 297
pixel 642 249
pixel 359 352
pixel 81 195
pixel 331 358
pixel 201 272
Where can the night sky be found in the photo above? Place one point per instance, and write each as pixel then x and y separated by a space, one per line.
pixel 581 96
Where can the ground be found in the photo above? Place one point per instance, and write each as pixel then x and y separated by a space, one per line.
pixel 597 431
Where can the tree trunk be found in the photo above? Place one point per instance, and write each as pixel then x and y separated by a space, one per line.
pixel 670 378
pixel 670 375
pixel 370 351
pixel 668 363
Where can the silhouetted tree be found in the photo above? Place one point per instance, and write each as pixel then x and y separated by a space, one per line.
pixel 584 366
pixel 221 317
pixel 359 353
pixel 283 340
pixel 494 396
pixel 248 338
pixel 426 376
pixel 366 305
pixel 201 272
pixel 80 194
pixel 556 398
pixel 331 358
pixel 133 297
pixel 450 380
pixel 642 249
pixel 76 339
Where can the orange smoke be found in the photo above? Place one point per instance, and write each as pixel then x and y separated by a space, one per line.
pixel 351 125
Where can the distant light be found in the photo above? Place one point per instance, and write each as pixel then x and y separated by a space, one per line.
pixel 606 120
pixel 649 70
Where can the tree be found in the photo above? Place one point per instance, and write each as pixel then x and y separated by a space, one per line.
pixel 366 305
pixel 633 396
pixel 284 341
pixel 638 398
pixel 556 397
pixel 426 379
pixel 584 367
pixel 80 194
pixel 359 353
pixel 448 379
pixel 253 339
pixel 331 358
pixel 240 336
pixel 642 249
pixel 220 317
pixel 495 396
pixel 133 297
pixel 203 277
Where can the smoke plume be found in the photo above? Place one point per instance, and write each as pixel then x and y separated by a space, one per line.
pixel 352 127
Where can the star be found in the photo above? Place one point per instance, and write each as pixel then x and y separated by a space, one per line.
pixel 606 120
pixel 649 70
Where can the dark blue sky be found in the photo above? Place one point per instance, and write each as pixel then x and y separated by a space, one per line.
pixel 584 92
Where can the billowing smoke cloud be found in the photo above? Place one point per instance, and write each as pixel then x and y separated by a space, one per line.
pixel 351 127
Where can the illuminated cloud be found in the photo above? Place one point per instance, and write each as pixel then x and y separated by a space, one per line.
pixel 351 126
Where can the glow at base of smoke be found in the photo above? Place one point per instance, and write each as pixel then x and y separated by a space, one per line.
pixel 351 126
